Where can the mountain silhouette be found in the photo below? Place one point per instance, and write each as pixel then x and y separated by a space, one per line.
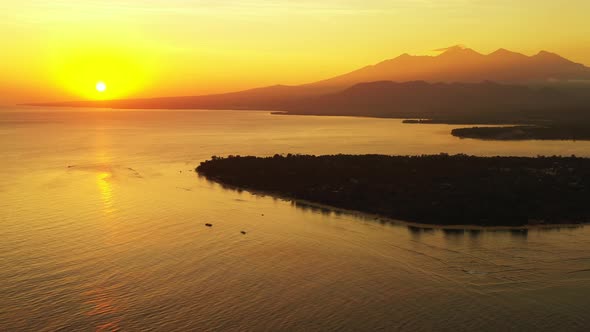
pixel 459 64
pixel 453 64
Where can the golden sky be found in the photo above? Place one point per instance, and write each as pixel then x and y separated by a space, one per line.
pixel 59 50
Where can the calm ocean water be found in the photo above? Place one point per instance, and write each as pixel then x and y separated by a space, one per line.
pixel 102 228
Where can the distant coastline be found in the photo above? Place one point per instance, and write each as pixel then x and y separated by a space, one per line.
pixel 431 190
pixel 458 86
pixel 563 109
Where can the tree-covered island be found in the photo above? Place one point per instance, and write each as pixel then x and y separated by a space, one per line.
pixel 430 189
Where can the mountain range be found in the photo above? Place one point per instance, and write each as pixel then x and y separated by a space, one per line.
pixel 401 84
pixel 459 64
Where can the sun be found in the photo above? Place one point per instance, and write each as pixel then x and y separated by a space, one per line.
pixel 101 87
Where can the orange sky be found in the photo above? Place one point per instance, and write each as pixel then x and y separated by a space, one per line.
pixel 58 50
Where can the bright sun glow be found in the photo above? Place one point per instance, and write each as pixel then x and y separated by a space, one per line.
pixel 101 87
pixel 99 71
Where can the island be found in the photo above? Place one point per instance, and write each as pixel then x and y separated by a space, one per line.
pixel 428 189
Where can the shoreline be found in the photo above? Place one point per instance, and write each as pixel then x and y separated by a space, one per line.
pixel 378 217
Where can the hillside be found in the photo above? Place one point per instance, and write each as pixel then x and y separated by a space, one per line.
pixel 485 102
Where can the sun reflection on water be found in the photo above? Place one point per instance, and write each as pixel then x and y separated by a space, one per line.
pixel 106 191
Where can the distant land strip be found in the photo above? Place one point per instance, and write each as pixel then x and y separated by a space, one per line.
pixel 565 109
pixel 573 133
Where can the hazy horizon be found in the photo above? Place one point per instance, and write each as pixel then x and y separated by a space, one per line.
pixel 59 51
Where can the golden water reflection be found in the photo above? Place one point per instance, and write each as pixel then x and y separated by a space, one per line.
pixel 104 309
pixel 106 191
